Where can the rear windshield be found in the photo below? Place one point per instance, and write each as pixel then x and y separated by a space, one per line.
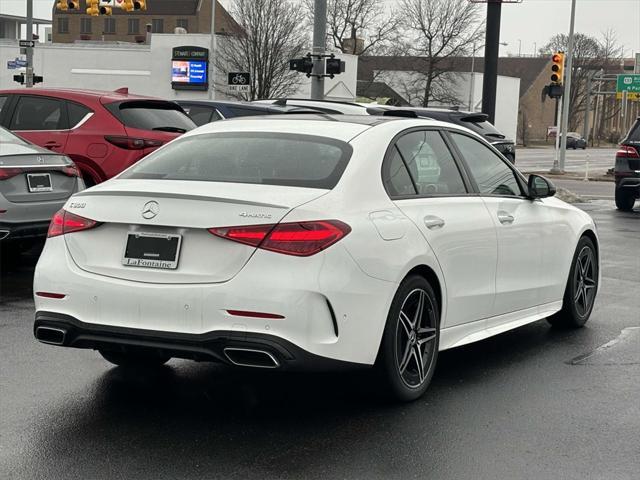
pixel 152 115
pixel 634 133
pixel 257 158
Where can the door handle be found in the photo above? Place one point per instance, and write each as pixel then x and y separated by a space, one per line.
pixel 505 217
pixel 432 222
pixel 52 144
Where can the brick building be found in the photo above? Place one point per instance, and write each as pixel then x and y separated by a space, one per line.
pixel 163 16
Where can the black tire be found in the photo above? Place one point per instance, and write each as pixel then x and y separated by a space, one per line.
pixel 135 359
pixel 412 337
pixel 581 289
pixel 88 180
pixel 625 199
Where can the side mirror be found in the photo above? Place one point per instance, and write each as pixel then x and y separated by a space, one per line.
pixel 540 187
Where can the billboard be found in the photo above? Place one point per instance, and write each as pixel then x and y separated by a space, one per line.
pixel 189 72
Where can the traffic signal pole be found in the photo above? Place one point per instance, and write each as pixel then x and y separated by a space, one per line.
pixel 491 51
pixel 319 44
pixel 29 72
pixel 567 92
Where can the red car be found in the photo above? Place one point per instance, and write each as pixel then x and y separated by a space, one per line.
pixel 102 132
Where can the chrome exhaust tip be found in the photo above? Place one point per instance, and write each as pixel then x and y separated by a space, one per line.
pixel 51 335
pixel 247 357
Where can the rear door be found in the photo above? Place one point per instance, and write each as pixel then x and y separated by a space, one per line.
pixel 41 120
pixel 423 179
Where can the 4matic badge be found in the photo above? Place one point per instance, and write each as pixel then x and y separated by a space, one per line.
pixel 255 215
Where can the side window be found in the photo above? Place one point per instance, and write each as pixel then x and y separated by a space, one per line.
pixel 199 114
pixel 76 113
pixel 396 177
pixel 37 113
pixel 3 100
pixel 491 173
pixel 431 164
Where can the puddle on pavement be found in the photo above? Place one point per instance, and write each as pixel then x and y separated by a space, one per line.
pixel 622 350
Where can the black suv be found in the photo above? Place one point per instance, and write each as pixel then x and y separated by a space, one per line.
pixel 627 169
pixel 478 122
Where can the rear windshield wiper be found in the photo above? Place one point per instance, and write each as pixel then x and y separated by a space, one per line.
pixel 170 129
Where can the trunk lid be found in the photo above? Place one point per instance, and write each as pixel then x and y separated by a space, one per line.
pixel 25 165
pixel 184 208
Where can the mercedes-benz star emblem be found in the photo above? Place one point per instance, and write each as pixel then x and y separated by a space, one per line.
pixel 150 210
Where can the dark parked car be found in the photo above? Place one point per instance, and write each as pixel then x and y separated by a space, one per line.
pixel 474 121
pixel 575 140
pixel 206 111
pixel 102 132
pixel 34 184
pixel 627 169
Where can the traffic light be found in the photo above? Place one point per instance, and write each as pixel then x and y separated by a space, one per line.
pixel 557 68
pixel 105 10
pixel 62 5
pixel 334 66
pixel 92 8
pixel 127 5
pixel 302 65
pixel 140 5
pixel 73 4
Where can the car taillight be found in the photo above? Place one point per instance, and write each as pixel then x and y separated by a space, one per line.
pixel 71 170
pixel 6 173
pixel 296 238
pixel 132 143
pixel 627 152
pixel 64 222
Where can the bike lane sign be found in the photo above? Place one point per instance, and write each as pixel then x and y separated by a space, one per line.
pixel 238 82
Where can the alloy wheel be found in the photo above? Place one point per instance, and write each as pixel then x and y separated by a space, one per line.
pixel 585 281
pixel 416 335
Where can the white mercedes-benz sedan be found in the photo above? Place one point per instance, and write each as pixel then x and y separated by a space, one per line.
pixel 314 242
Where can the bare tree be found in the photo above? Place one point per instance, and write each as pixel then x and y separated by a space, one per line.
pixel 272 34
pixel 369 20
pixel 441 30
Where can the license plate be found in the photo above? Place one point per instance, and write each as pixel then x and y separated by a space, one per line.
pixel 39 182
pixel 152 250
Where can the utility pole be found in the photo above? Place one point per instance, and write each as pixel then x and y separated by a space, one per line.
pixel 587 110
pixel 491 51
pixel 567 92
pixel 212 53
pixel 29 73
pixel 319 39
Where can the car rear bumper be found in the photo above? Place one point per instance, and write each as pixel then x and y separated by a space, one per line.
pixel 628 182
pixel 23 231
pixel 217 346
pixel 325 304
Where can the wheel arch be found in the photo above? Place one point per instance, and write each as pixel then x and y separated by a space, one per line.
pixel 430 276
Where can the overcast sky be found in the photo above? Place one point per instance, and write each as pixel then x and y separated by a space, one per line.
pixel 532 22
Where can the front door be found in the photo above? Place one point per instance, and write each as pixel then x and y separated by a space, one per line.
pixel 520 224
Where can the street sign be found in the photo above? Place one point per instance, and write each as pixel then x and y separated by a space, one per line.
pixel 629 84
pixel 11 65
pixel 20 62
pixel 238 82
pixel 27 43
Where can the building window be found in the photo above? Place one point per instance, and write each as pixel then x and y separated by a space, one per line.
pixel 157 25
pixel 63 25
pixel 85 25
pixel 133 26
pixel 110 25
pixel 183 23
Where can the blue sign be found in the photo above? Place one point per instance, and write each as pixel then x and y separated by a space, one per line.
pixel 20 62
pixel 11 65
pixel 189 72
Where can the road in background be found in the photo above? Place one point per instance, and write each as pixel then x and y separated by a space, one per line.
pixel 532 403
pixel 541 160
pixel 587 190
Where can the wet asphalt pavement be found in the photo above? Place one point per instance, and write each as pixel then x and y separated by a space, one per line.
pixel 534 403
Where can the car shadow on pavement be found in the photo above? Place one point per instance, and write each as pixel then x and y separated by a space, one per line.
pixel 186 417
pixel 16 270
